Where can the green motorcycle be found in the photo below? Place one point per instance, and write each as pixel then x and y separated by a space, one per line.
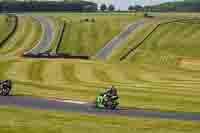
pixel 105 102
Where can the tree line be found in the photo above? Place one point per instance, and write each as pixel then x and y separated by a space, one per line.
pixel 111 7
pixel 23 6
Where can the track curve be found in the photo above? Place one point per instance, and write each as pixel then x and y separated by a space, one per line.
pixel 116 41
pixel 45 42
pixel 44 104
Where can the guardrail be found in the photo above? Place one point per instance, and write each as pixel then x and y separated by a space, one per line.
pixel 62 31
pixel 55 56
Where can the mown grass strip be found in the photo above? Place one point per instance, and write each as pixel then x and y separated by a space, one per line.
pixel 12 23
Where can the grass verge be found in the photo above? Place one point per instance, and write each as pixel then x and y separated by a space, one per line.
pixel 15 120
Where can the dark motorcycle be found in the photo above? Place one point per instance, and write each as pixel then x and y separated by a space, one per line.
pixel 5 87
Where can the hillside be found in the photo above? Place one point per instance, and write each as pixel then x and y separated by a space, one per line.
pixel 163 74
pixel 191 0
pixel 180 6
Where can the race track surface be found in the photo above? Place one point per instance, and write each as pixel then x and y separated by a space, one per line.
pixel 45 42
pixel 117 41
pixel 44 104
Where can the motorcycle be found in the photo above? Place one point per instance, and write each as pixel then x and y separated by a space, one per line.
pixel 5 87
pixel 104 101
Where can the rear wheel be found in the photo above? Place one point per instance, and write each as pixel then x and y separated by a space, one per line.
pixel 114 107
pixel 4 92
pixel 109 105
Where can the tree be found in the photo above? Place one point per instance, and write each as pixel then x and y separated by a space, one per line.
pixel 138 7
pixel 131 8
pixel 111 7
pixel 103 7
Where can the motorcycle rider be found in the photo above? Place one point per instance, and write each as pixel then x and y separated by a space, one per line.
pixel 111 93
pixel 108 99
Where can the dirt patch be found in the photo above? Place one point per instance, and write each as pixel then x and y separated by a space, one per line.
pixel 189 63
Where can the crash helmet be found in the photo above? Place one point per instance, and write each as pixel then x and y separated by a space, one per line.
pixel 112 87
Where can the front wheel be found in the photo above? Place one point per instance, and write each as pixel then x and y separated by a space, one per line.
pixel 112 105
pixel 4 92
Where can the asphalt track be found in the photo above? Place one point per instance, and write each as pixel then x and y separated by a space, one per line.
pixel 86 108
pixel 45 42
pixel 117 41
